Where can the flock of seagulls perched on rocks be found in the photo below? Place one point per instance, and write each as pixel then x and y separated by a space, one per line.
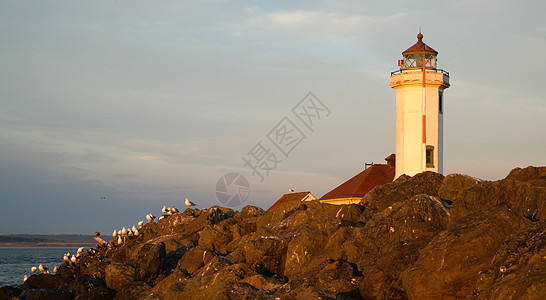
pixel 119 237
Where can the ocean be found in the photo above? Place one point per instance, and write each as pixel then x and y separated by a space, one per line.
pixel 15 263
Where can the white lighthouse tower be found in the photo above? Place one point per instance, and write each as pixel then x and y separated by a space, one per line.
pixel 419 89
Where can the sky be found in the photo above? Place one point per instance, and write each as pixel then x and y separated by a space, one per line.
pixel 145 103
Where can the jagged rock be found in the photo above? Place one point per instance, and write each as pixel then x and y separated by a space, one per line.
pixel 401 189
pixel 518 270
pixel 420 237
pixel 8 292
pixel 525 199
pixel 83 284
pixel 133 290
pixel 118 275
pixel 98 293
pixel 454 185
pixel 392 240
pixel 194 259
pixel 533 175
pixel 44 294
pixel 43 281
pixel 148 260
pixel 225 284
pixel 172 258
pixel 448 267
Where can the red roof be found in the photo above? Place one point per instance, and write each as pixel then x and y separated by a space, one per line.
pixel 419 47
pixel 289 198
pixel 363 182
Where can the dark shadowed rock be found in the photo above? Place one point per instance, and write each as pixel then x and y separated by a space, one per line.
pixel 330 279
pixel 448 267
pixel 98 293
pixel 83 284
pixel 44 294
pixel 518 270
pixel 44 281
pixel 118 275
pixel 8 292
pixel 133 290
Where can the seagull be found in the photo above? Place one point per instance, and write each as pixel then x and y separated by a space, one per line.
pixel 25 278
pixel 124 231
pixel 114 234
pixel 80 250
pixel 165 209
pixel 140 224
pixel 189 203
pixel 133 229
pixel 160 218
pixel 33 269
pixel 42 268
pixel 65 258
pixel 135 232
pixel 55 269
pixel 73 259
pixel 120 241
pixel 130 233
pixel 291 190
pixel 174 210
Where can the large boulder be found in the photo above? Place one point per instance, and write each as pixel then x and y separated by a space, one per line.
pixel 44 281
pixel 118 275
pixel 533 175
pixel 453 186
pixel 8 292
pixel 525 199
pixel 448 267
pixel 401 189
pixel 518 270
pixel 133 290
pixel 148 260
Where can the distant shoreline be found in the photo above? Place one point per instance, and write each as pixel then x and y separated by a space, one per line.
pixel 46 245
pixel 46 240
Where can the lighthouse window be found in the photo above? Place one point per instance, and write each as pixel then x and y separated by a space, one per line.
pixel 440 102
pixel 430 156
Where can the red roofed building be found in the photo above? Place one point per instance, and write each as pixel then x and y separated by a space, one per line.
pixel 302 196
pixel 353 190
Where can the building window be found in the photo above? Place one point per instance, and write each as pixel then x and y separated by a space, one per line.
pixel 441 102
pixel 430 156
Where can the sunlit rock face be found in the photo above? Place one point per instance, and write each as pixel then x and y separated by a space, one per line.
pixel 420 237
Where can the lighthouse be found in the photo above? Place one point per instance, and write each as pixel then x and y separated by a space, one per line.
pixel 419 86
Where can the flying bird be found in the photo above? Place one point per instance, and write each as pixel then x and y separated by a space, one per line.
pixel 189 203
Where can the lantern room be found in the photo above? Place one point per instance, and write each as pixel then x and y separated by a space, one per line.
pixel 413 56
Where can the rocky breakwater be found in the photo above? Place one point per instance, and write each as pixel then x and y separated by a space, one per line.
pixel 420 237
